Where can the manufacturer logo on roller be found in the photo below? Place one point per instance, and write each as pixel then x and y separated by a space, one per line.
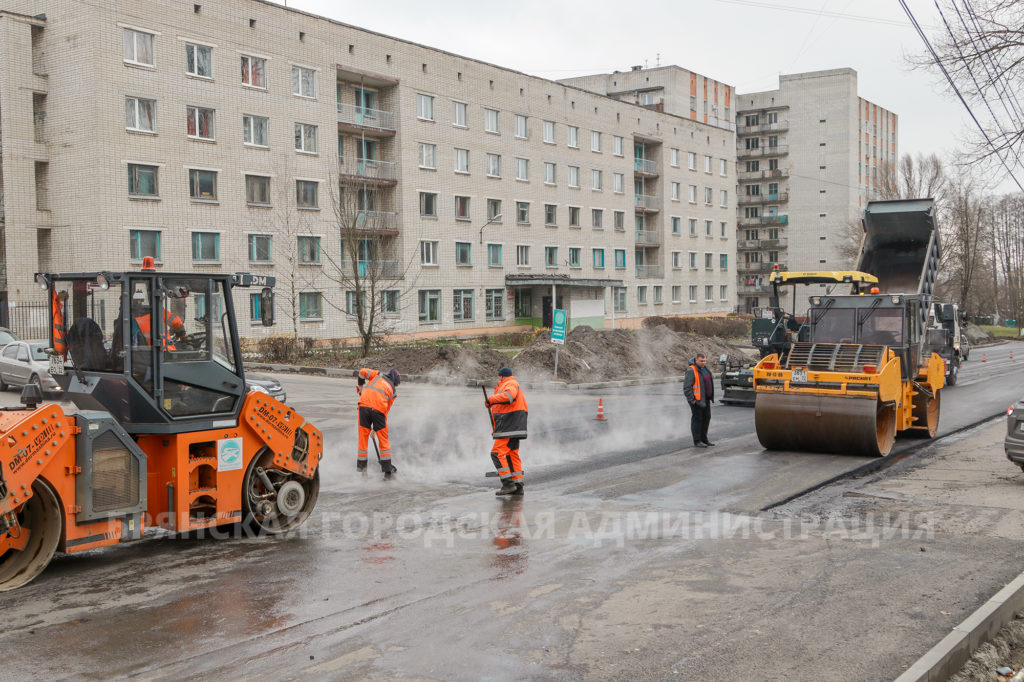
pixel 229 454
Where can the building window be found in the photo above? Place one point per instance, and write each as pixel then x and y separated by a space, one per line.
pixel 723 197
pixel 596 179
pixel 491 121
pixel 616 145
pixel 461 160
pixel 708 228
pixel 205 247
pixel 494 210
pixel 144 243
pixel 309 250
pixel 140 114
pixel 522 255
pixel 574 176
pixel 521 129
pixel 199 60
pixel 693 227
pixel 693 260
pixel 494 165
pixel 691 160
pixel 708 195
pixel 549 173
pixel 428 155
pixel 575 260
pixel 618 183
pixel 723 292
pixel 723 261
pixel 598 255
pixel 303 82
pixel 306 194
pixel 574 216
pixel 138 47
pixel 675 191
pixel 462 304
pixel 257 190
pixel 620 259
pixel 200 123
pixel 677 225
pixel 523 303
pixel 255 308
pixel 707 164
pixel 522 169
pixel 549 132
pixel 693 194
pixel 256 130
pixel 311 305
pixel 260 248
pixel 523 212
pixel 551 256
pixel 723 167
pixel 551 215
pixel 428 205
pixel 463 253
pixel 428 253
pixel 619 299
pixel 389 300
pixel 574 137
pixel 620 221
pixel 597 218
pixel 202 184
pixel 595 141
pixel 677 293
pixel 462 208
pixel 677 260
pixel 641 295
pixel 494 255
pixel 708 289
pixel 494 304
pixel 673 157
pixel 425 107
pixel 707 260
pixel 254 71
pixel 459 112
pixel 693 293
pixel 656 293
pixel 430 305
pixel 305 138
pixel 142 180
pixel 354 304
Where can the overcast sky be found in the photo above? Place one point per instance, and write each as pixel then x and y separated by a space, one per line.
pixel 744 43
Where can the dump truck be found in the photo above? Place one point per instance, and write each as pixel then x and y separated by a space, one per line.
pixel 165 432
pixel 946 339
pixel 774 330
pixel 865 373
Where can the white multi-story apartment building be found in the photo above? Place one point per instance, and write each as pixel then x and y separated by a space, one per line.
pixel 241 135
pixel 809 155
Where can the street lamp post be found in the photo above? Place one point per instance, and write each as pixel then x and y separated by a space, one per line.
pixel 489 221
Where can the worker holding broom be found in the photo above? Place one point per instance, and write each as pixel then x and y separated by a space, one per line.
pixel 507 406
pixel 375 400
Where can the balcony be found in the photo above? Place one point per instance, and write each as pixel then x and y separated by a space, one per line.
pixel 762 243
pixel 763 174
pixel 763 198
pixel 382 222
pixel 645 167
pixel 363 118
pixel 777 150
pixel 763 128
pixel 648 238
pixel 763 220
pixel 648 271
pixel 643 202
pixel 758 267
pixel 373 270
pixel 382 172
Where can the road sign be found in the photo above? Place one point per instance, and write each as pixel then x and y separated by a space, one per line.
pixel 558 321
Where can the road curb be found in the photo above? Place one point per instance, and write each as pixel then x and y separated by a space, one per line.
pixel 946 658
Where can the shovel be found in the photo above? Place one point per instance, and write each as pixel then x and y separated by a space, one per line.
pixel 492 473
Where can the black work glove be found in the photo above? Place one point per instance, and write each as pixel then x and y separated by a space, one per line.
pixel 361 381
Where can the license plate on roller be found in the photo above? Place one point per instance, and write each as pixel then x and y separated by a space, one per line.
pixel 57 365
pixel 799 376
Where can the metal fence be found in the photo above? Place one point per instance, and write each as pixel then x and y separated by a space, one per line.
pixel 29 320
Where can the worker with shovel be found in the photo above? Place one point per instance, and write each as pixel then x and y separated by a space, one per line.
pixel 375 400
pixel 508 411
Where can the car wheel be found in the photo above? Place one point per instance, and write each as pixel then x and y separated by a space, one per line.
pixel 3 385
pixel 954 372
pixel 35 381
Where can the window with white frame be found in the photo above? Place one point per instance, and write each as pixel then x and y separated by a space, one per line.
pixel 619 299
pixel 596 179
pixel 459 114
pixel 617 145
pixel 428 155
pixel 494 304
pixel 551 215
pixel 303 82
pixel 261 248
pixel 677 225
pixel 675 191
pixel 677 293
pixel 522 254
pixel 523 212
pixel 691 160
pixel 707 164
pixel 575 259
pixel 306 193
pixel 428 252
pixel 205 247
pixel 597 218
pixel 708 257
pixel 618 183
pixel 523 302
pixel 723 292
pixel 462 304
pixel 673 157
pixel 200 125
pixel 254 71
pixel 142 180
pixel 595 141
pixel 494 210
pixel 693 293
pixel 708 195
pixel 551 256
pixel 574 136
pixel 656 293
pixel 723 228
pixel 693 260
pixel 257 190
pixel 620 221
pixel 140 114
pixel 708 292
pixel 493 163
pixel 389 302
pixel 430 305
pixel 255 130
pixel 491 120
pixel 305 138
pixel 202 184
pixel 425 107
pixel 549 132
pixel 309 250
pixel 574 177
pixel 574 216
pixel 693 227
pixel 463 253
pixel 549 173
pixel 677 260
pixel 620 259
pixel 723 197
pixel 708 229
pixel 138 47
pixel 520 125
pixel 428 204
pixel 693 194
pixel 522 169
pixel 461 160
pixel 311 306
pixel 494 255
pixel 641 295
pixel 723 167
pixel 199 60
pixel 461 208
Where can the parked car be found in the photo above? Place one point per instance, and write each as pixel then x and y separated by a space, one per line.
pixel 26 362
pixel 7 336
pixel 1014 442
pixel 265 384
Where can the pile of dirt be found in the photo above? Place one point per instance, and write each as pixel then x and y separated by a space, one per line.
pixel 444 362
pixel 976 335
pixel 611 354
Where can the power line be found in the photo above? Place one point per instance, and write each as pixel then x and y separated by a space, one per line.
pixel 820 13
pixel 998 72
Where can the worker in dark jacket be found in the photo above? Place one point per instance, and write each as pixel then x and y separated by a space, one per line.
pixel 377 393
pixel 508 417
pixel 699 388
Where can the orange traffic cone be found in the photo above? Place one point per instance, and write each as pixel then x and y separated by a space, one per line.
pixel 1011 355
pixel 984 357
pixel 600 411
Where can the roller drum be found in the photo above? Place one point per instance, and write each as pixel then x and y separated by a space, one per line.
pixel 839 425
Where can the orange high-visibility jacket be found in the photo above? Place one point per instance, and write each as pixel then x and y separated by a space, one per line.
pixel 171 321
pixel 60 334
pixel 696 382
pixel 508 409
pixel 379 393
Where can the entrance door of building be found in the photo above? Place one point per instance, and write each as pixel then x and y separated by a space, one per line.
pixel 547 314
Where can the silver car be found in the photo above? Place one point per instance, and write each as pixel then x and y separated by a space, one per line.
pixel 26 362
pixel 1013 444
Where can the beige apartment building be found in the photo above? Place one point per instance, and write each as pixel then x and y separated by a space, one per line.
pixel 242 135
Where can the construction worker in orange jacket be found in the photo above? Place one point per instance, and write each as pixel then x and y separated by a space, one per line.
pixel 376 395
pixel 508 417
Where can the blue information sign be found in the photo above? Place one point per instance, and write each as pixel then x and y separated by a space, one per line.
pixel 558 321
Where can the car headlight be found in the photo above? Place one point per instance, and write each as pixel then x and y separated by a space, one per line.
pixel 258 389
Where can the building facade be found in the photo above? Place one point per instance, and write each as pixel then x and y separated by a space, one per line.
pixel 809 157
pixel 241 135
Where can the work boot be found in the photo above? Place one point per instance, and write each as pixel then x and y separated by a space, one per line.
pixel 519 489
pixel 361 467
pixel 389 470
pixel 507 488
pixel 707 442
pixel 700 445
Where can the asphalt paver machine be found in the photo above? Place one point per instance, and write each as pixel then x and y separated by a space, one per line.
pixel 165 432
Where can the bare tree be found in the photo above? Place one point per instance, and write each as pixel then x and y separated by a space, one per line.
pixel 965 240
pixel 913 178
pixel 1007 238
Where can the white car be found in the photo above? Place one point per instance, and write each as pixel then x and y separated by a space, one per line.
pixel 26 362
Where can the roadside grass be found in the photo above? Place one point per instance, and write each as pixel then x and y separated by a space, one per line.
pixel 1001 332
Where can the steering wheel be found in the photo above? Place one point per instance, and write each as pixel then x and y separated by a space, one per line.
pixel 196 340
